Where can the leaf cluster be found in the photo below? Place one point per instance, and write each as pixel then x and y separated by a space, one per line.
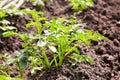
pixel 79 5
pixel 55 41
pixel 59 36
pixel 5 24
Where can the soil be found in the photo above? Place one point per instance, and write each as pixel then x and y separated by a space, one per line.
pixel 104 18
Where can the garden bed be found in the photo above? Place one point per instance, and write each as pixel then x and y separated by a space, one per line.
pixel 104 18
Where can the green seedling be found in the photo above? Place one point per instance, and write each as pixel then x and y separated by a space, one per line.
pixel 62 33
pixel 37 19
pixel 79 5
pixel 32 50
pixel 60 36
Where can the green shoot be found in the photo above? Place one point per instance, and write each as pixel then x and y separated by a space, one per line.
pixel 60 36
pixel 79 5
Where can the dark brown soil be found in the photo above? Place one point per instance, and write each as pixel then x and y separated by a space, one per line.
pixel 104 18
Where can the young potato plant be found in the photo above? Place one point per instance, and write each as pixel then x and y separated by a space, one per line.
pixel 33 51
pixel 64 36
pixel 59 36
pixel 79 5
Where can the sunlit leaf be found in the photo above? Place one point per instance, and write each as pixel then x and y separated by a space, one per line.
pixel 8 34
pixel 53 49
pixel 41 43
pixel 24 37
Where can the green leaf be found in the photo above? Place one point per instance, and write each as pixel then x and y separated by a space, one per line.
pixel 38 2
pixel 2 13
pixel 89 60
pixel 3 77
pixel 5 28
pixel 33 36
pixel 24 55
pixel 41 43
pixel 31 23
pixel 98 36
pixel 79 5
pixel 5 22
pixel 34 69
pixel 3 68
pixel 8 34
pixel 24 37
pixel 87 42
pixel 46 60
pixel 53 49
pixel 90 3
pixel 17 53
pixel 11 60
pixel 89 33
pixel 23 63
